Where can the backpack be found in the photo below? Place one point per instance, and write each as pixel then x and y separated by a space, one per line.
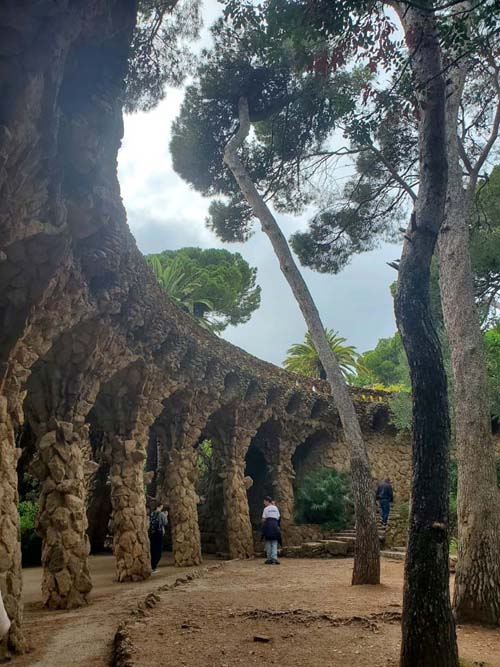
pixel 155 527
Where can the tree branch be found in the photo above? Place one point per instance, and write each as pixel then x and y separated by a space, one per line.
pixel 394 173
pixel 494 129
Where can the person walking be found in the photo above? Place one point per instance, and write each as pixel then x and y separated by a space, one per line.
pixel 271 530
pixel 385 497
pixel 158 521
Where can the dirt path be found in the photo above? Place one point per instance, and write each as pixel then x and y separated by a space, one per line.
pixel 305 608
pixel 83 637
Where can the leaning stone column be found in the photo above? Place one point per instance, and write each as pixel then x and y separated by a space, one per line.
pixel 233 446
pixel 180 485
pixel 128 501
pixel 10 547
pixel 62 519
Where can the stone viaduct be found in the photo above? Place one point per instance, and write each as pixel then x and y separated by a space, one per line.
pixel 101 377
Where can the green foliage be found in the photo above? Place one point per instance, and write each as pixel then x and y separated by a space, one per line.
pixel 303 358
pixel 205 453
pixel 324 497
pixel 293 113
pixel 27 515
pixel 401 407
pixel 386 364
pixel 215 286
pixel 492 340
pixel 31 543
pixel 485 246
pixel 159 54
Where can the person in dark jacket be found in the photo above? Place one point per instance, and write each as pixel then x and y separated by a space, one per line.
pixel 385 497
pixel 157 523
pixel 271 530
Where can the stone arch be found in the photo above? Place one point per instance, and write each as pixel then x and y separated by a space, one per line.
pixel 257 469
pixel 178 429
pixel 120 418
pixel 60 390
pixel 316 451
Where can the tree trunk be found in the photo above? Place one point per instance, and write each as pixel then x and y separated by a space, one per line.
pixel 367 549
pixel 428 627
pixel 477 579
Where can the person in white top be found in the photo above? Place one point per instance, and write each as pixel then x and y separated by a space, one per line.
pixel 4 620
pixel 271 530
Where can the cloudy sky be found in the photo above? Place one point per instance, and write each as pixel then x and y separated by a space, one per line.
pixel 164 212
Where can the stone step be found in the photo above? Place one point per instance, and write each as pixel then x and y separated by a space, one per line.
pixel 319 549
pixel 393 555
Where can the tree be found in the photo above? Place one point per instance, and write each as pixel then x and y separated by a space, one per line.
pixel 221 286
pixel 429 636
pixel 477 578
pixel 386 364
pixel 181 286
pixel 159 56
pixel 227 81
pixel 472 121
pixel 303 358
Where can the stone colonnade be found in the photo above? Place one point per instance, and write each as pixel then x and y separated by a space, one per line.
pixel 92 354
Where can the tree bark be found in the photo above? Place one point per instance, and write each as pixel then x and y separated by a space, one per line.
pixel 477 579
pixel 367 549
pixel 428 627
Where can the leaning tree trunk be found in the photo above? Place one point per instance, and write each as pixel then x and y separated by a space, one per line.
pixel 429 636
pixel 367 549
pixel 477 579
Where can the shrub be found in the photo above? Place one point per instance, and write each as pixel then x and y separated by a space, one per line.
pixel 325 498
pixel 31 543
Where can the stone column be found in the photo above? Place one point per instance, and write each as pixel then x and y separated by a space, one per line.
pixel 62 520
pixel 236 510
pixel 231 443
pixel 10 547
pixel 181 473
pixel 283 475
pixel 128 501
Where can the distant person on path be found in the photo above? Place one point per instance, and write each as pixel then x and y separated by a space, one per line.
pixel 158 521
pixel 385 497
pixel 271 530
pixel 4 620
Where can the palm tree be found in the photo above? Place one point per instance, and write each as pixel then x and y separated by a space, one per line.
pixel 303 358
pixel 181 286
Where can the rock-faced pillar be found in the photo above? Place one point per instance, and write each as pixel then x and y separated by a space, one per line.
pixel 179 429
pixel 128 501
pixel 235 485
pixel 10 547
pixel 232 430
pixel 62 519
pixel 181 474
pixel 282 474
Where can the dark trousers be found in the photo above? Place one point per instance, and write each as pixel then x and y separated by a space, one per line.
pixel 385 508
pixel 156 543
